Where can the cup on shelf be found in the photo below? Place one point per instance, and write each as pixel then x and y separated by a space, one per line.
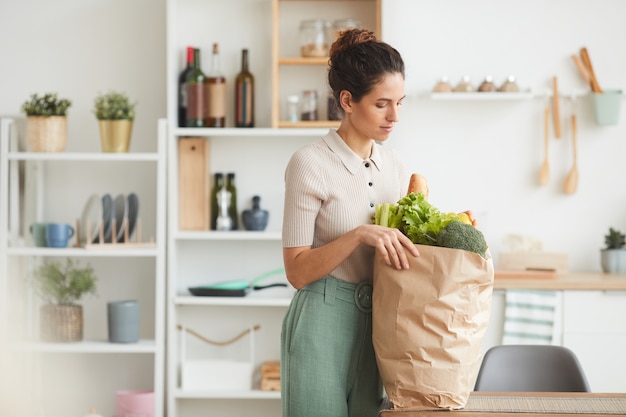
pixel 607 106
pixel 123 321
pixel 58 234
pixel 38 232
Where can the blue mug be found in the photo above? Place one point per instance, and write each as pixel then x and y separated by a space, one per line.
pixel 57 234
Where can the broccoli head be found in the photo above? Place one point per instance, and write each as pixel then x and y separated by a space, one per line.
pixel 459 235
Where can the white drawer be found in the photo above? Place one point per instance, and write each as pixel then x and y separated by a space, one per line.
pixel 594 311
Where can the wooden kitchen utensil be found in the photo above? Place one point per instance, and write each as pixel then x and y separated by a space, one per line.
pixel 571 181
pixel 595 87
pixel 582 68
pixel 555 108
pixel 544 173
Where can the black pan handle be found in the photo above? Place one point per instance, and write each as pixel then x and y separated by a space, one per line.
pixel 262 287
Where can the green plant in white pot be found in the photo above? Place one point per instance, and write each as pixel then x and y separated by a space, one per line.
pixel 46 122
pixel 613 257
pixel 115 113
pixel 61 287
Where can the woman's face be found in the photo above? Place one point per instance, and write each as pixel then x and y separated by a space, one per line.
pixel 378 111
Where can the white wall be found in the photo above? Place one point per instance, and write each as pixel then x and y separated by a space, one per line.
pixel 477 155
pixel 486 156
pixel 79 49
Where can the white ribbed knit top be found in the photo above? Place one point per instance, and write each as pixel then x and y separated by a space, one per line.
pixel 330 190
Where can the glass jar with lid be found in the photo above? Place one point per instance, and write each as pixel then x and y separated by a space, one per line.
pixel 510 85
pixel 308 106
pixel 314 38
pixel 340 25
pixel 293 108
pixel 464 86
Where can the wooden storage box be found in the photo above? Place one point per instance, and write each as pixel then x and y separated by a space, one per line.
pixel 193 184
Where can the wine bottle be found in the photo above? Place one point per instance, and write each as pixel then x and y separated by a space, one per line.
pixel 232 209
pixel 216 92
pixel 182 89
pixel 217 186
pixel 244 94
pixel 196 94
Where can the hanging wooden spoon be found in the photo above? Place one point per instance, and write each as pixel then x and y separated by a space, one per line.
pixel 555 108
pixel 544 173
pixel 571 181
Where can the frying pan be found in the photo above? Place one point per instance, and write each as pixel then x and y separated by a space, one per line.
pixel 236 288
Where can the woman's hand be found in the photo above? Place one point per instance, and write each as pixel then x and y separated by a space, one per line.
pixel 471 217
pixel 390 243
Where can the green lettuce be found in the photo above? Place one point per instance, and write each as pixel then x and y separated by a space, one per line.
pixel 415 217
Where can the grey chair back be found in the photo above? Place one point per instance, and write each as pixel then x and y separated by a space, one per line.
pixel 534 368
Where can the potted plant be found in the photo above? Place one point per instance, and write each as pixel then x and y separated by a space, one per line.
pixel 613 257
pixel 115 113
pixel 46 122
pixel 61 287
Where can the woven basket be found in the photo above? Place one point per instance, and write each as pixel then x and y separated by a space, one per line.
pixel 46 133
pixel 61 323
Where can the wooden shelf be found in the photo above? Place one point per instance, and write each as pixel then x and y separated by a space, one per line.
pixel 303 61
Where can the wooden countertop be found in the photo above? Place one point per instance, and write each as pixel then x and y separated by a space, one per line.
pixel 561 281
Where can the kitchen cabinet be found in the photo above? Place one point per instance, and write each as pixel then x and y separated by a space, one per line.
pixel 72 378
pixel 258 157
pixel 595 328
pixel 592 324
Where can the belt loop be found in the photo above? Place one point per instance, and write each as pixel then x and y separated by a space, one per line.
pixel 330 288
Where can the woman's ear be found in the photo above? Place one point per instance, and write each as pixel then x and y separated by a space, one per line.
pixel 345 100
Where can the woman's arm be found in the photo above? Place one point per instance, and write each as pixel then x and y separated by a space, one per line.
pixel 304 265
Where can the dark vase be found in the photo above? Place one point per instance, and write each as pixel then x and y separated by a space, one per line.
pixel 255 218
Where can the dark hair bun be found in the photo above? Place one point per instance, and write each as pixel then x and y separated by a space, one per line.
pixel 350 38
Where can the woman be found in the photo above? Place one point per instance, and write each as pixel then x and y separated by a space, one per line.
pixel 328 366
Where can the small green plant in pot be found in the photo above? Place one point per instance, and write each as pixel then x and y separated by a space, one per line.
pixel 46 122
pixel 115 113
pixel 61 287
pixel 613 257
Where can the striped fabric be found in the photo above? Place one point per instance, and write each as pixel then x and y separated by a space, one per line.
pixel 529 317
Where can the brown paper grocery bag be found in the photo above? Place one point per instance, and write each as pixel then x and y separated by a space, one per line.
pixel 428 326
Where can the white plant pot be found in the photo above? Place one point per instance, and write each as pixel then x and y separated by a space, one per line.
pixel 613 261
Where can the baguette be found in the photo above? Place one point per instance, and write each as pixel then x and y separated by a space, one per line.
pixel 418 184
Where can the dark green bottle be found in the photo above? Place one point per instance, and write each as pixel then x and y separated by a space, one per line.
pixel 244 94
pixel 232 210
pixel 219 183
pixel 196 94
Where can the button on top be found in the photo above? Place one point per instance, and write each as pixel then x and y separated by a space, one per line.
pixel 367 165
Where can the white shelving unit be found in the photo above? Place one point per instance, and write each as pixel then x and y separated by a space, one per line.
pixel 258 157
pixel 202 257
pixel 71 378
